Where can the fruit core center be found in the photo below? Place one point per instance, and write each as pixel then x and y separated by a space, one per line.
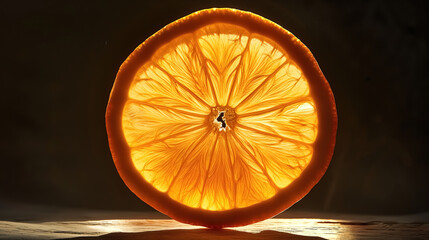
pixel 223 118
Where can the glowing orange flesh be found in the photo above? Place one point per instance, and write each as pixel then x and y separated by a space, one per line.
pixel 220 118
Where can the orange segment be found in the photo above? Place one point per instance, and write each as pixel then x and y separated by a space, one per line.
pixel 219 117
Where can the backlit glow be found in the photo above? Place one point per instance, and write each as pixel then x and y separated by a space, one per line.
pixel 170 124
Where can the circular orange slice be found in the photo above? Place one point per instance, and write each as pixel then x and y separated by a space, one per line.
pixel 222 118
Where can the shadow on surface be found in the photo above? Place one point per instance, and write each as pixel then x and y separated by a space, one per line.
pixel 198 234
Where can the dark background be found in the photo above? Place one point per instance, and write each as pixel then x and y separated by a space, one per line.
pixel 59 60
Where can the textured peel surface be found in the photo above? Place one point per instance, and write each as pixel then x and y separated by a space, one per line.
pixel 220 118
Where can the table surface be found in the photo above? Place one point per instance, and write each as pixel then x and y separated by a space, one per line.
pixel 41 222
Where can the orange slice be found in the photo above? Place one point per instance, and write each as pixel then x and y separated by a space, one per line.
pixel 222 118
